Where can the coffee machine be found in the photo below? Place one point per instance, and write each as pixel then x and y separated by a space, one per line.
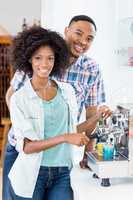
pixel 116 132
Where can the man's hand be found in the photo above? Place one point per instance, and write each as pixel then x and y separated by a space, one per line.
pixel 93 114
pixel 104 111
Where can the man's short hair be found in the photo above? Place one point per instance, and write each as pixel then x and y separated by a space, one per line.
pixel 83 18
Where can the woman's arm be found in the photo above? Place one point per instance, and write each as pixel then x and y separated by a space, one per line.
pixel 78 139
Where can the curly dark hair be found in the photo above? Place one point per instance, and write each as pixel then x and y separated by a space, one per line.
pixel 28 41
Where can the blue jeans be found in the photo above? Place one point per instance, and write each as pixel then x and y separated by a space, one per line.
pixel 9 158
pixel 53 183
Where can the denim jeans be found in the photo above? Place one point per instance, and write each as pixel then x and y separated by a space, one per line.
pixel 9 158
pixel 53 183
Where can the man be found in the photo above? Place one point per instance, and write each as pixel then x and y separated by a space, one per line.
pixel 83 74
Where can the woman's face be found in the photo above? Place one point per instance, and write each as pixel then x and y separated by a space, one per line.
pixel 43 61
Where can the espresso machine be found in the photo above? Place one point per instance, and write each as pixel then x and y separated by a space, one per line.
pixel 114 139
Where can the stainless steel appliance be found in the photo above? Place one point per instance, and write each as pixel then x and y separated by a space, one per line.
pixel 118 132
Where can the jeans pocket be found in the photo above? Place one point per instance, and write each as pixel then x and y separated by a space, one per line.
pixel 64 170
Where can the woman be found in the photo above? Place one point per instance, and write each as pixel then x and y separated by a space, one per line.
pixel 43 114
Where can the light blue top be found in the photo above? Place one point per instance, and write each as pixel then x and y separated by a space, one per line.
pixel 27 116
pixel 56 123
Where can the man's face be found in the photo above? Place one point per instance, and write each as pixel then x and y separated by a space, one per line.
pixel 79 36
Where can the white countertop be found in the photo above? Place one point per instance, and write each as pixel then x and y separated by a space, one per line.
pixel 87 188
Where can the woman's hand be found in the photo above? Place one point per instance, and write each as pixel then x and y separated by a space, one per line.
pixel 78 139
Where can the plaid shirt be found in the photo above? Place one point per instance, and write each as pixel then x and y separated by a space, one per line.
pixel 85 77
